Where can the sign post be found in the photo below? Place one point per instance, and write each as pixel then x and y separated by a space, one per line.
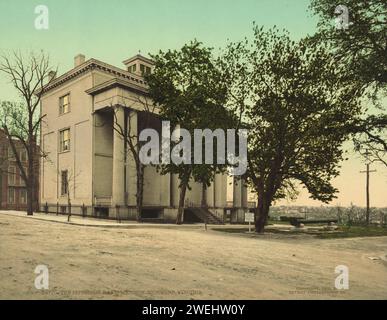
pixel 249 217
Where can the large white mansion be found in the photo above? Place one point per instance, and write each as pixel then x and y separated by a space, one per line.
pixel 82 148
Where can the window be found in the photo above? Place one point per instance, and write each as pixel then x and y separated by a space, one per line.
pixel 21 180
pixel 11 175
pixel 23 196
pixel 23 155
pixel 64 137
pixel 11 156
pixel 64 104
pixel 11 195
pixel 64 183
pixel 144 69
pixel 132 68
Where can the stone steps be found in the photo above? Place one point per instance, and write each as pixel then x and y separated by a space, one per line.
pixel 205 215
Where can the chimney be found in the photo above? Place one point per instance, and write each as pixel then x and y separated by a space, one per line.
pixel 78 60
pixel 51 75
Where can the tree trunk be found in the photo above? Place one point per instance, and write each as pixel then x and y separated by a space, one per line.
pixel 69 208
pixel 30 190
pixel 204 195
pixel 30 203
pixel 180 211
pixel 262 213
pixel 31 176
pixel 68 199
pixel 261 221
pixel 140 192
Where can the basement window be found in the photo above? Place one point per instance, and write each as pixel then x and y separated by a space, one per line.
pixel 64 183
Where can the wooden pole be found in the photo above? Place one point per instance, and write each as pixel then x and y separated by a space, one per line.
pixel 367 172
pixel 368 194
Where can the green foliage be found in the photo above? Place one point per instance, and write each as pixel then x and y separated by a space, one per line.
pixel 296 102
pixel 370 137
pixel 187 86
pixel 13 116
pixel 362 47
pixel 341 232
pixel 354 232
pixel 362 50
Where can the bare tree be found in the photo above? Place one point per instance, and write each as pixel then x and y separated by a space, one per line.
pixel 21 121
pixel 132 144
pixel 68 185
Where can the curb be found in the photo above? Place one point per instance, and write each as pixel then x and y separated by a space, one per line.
pixel 118 226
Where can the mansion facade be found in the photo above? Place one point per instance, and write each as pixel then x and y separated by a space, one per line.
pixel 87 163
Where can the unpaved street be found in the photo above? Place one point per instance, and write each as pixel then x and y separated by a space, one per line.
pixel 161 263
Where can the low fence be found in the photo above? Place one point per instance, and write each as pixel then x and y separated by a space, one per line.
pixel 76 210
pixel 101 212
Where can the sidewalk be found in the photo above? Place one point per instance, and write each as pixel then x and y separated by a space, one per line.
pixel 94 222
pixel 125 224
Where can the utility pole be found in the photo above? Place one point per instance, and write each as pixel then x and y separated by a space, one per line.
pixel 367 172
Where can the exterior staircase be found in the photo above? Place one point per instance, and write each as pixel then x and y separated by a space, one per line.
pixel 205 215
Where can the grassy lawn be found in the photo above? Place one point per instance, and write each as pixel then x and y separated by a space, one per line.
pixel 277 222
pixel 341 232
pixel 354 231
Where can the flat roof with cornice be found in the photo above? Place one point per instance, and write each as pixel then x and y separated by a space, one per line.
pixel 136 81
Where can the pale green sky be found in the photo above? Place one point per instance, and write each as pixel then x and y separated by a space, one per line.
pixel 117 29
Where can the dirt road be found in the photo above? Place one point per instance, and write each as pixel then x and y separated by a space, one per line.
pixel 144 263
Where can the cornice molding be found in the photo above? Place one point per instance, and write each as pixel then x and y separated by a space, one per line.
pixel 93 64
pixel 116 82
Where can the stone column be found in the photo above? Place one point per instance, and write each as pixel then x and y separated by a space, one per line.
pixel 244 193
pixel 237 214
pixel 210 195
pixel 175 182
pixel 175 192
pixel 224 189
pixel 237 193
pixel 118 196
pixel 131 171
pixel 218 190
pixel 165 194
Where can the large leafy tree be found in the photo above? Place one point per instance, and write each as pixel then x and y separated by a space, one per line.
pixel 361 46
pixel 295 103
pixel 187 86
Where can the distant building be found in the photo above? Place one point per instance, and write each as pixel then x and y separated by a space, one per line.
pixel 12 187
pixel 83 149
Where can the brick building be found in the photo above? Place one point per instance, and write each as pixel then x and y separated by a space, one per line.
pixel 12 187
